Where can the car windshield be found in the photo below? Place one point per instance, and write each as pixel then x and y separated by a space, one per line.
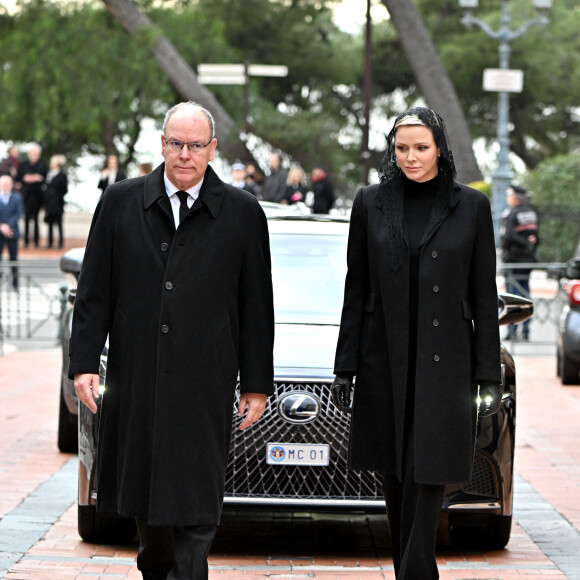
pixel 308 275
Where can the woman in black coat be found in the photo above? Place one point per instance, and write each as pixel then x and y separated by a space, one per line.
pixel 419 331
pixel 55 188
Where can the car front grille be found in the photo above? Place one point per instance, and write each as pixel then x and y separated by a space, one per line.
pixel 249 476
pixel 483 478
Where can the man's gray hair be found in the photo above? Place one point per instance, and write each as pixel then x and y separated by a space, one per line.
pixel 195 108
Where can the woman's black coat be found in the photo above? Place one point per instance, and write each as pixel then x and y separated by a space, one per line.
pixel 457 337
pixel 54 195
pixel 184 310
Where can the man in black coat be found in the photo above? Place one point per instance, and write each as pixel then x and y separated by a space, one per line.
pixel 324 197
pixel 177 274
pixel 30 177
pixel 519 239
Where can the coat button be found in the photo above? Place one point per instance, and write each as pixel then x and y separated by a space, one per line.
pixel 164 247
pixel 169 285
pixel 435 322
pixel 436 358
pixel 164 328
pixel 434 254
pixel 435 288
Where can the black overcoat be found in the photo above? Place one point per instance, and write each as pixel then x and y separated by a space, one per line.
pixel 457 336
pixel 185 310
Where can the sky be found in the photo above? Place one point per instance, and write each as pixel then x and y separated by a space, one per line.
pixel 350 15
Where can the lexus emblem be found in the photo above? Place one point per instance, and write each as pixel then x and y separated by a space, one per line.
pixel 299 407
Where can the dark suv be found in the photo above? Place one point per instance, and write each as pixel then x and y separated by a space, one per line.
pixel 296 455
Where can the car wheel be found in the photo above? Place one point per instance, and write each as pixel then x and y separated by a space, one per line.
pixel 99 528
pixel 493 536
pixel 568 371
pixel 67 439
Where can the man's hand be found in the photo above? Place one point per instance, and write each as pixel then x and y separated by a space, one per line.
pixel 341 389
pixel 255 403
pixel 87 390
pixel 489 400
pixel 6 231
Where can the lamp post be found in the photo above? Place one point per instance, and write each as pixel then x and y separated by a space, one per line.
pixel 504 82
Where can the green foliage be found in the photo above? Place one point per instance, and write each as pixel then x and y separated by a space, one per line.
pixel 74 80
pixel 544 116
pixel 555 187
pixel 483 186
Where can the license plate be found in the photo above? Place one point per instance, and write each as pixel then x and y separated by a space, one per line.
pixel 297 454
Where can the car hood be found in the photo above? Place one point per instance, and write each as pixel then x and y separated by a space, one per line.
pixel 305 350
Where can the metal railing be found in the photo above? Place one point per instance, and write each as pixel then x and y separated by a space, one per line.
pixel 531 280
pixel 32 315
pixel 33 296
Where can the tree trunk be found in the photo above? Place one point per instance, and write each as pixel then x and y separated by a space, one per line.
pixel 181 76
pixel 434 84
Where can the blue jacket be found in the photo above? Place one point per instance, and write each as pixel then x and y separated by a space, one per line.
pixel 10 212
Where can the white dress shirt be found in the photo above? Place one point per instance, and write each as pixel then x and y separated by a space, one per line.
pixel 174 199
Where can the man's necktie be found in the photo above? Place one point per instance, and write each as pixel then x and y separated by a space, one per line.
pixel 183 209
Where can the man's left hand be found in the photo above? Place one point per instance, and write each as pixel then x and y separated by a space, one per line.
pixel 255 403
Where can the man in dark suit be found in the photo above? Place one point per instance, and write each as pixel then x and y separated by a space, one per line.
pixel 177 273
pixel 10 212
pixel 31 175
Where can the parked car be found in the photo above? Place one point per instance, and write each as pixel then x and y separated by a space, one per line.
pixel 568 337
pixel 296 455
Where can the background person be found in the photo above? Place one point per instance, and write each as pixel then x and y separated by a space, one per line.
pixel 254 180
pixel 296 189
pixel 111 173
pixel 30 178
pixel 238 175
pixel 9 165
pixel 275 184
pixel 10 212
pixel 419 330
pixel 323 190
pixel 55 188
pixel 145 168
pixel 177 273
pixel 519 236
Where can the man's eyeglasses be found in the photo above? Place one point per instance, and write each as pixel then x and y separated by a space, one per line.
pixel 194 147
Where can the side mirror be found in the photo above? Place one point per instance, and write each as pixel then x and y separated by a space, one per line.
pixel 572 269
pixel 514 309
pixel 555 272
pixel 71 261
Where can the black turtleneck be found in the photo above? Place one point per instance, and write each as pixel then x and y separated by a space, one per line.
pixel 418 202
pixel 419 198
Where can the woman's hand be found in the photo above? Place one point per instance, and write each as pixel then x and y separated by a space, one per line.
pixel 341 390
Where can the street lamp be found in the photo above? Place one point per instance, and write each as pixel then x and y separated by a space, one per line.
pixel 507 81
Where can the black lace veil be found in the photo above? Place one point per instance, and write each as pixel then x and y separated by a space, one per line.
pixel 430 119
pixel 390 195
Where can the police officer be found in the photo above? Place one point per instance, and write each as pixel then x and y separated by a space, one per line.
pixel 519 240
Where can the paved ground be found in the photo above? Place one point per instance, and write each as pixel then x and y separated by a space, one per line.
pixel 38 538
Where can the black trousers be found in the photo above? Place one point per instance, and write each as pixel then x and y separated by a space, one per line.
pixel 55 222
pixel 413 512
pixel 173 552
pixel 12 244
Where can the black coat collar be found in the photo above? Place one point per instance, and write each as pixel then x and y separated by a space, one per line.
pixel 390 200
pixel 211 194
